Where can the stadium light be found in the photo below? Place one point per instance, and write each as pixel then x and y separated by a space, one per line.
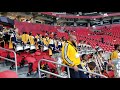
pixel 105 15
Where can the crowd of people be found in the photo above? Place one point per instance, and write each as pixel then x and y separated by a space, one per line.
pixel 94 61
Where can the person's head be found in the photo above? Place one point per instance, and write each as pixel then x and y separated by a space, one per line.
pixel 88 43
pixel 91 65
pixel 30 33
pixel 117 47
pixel 80 41
pixel 84 57
pixel 42 36
pixel 100 51
pixel 73 38
pixel 38 34
pixel 97 44
pixel 84 42
pixel 23 33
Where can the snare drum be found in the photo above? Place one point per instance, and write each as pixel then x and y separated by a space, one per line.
pixel 19 47
pixel 26 47
pixel 32 47
pixel 45 48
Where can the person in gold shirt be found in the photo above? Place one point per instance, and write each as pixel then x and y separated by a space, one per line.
pixel 37 41
pixel 115 53
pixel 25 37
pixel 44 40
pixel 51 46
pixel 71 57
pixel 31 39
pixel 38 37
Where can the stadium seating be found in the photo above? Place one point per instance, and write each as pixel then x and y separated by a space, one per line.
pixel 81 33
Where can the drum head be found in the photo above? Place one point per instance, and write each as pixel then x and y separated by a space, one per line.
pixel 45 48
pixel 27 47
pixel 19 48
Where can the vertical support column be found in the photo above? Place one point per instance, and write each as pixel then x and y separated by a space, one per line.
pixel 111 20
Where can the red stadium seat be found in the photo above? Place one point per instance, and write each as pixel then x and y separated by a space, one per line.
pixel 8 74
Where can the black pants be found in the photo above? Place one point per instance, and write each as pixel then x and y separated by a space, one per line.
pixel 77 74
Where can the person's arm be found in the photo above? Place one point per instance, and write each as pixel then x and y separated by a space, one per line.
pixel 69 57
pixel 114 56
pixel 67 54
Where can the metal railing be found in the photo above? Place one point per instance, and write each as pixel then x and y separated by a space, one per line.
pixel 14 61
pixel 41 70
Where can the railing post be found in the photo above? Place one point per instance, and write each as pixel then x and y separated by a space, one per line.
pixel 67 70
pixel 15 62
pixel 39 69
pixel 11 59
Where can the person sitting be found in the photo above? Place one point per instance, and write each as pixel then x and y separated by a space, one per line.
pixel 92 66
pixel 31 39
pixel 2 43
pixel 115 53
pixel 25 37
pixel 84 61
pixel 59 44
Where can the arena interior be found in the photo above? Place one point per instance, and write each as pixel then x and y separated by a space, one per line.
pixel 59 44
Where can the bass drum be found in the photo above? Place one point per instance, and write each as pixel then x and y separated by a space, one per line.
pixel 19 47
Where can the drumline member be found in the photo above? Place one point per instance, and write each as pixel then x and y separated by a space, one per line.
pixel 25 37
pixel 2 42
pixel 38 37
pixel 47 41
pixel 36 40
pixel 51 45
pixel 33 43
pixel 19 38
pixel 10 42
pixel 31 39
pixel 44 40
pixel 6 37
pixel 59 44
pixel 39 41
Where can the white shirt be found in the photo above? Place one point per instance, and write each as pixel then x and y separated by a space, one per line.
pixel 119 55
pixel 59 43
pixel 51 41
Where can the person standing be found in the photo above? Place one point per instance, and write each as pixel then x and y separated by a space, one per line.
pixel 71 57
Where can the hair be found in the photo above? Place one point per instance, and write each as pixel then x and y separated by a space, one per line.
pixel 42 36
pixel 38 34
pixel 83 56
pixel 116 46
pixel 30 33
pixel 91 65
pixel 80 40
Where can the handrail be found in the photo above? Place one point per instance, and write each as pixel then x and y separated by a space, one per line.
pixel 67 69
pixel 11 59
pixel 50 72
